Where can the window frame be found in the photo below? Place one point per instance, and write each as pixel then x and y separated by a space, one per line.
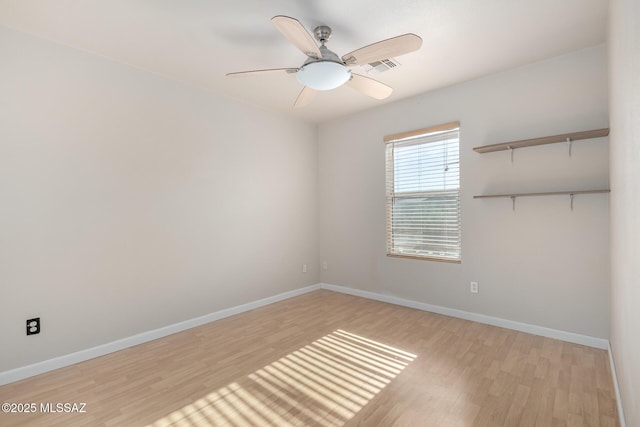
pixel 390 191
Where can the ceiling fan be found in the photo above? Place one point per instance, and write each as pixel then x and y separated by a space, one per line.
pixel 324 70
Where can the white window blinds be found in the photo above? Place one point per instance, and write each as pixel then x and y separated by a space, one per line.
pixel 423 193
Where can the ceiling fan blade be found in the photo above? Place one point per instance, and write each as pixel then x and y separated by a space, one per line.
pixel 384 49
pixel 295 32
pixel 305 97
pixel 268 71
pixel 369 87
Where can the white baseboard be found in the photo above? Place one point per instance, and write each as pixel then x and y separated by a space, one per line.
pixel 18 374
pixel 571 337
pixel 616 387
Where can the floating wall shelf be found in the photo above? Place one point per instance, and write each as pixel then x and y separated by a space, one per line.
pixel 569 193
pixel 546 193
pixel 565 137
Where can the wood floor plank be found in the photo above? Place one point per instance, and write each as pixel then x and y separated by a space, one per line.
pixel 328 359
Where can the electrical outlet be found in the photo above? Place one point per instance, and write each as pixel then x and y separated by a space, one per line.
pixel 473 287
pixel 304 268
pixel 33 326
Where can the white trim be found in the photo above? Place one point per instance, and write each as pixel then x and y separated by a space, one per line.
pixel 571 337
pixel 616 387
pixel 23 372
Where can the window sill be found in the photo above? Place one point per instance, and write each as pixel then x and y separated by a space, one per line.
pixel 426 258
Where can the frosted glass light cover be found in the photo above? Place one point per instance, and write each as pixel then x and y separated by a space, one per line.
pixel 323 75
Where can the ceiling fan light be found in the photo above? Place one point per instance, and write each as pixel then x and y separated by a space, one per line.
pixel 323 75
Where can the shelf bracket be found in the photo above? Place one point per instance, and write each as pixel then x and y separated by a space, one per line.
pixel 513 203
pixel 571 196
pixel 510 152
pixel 569 144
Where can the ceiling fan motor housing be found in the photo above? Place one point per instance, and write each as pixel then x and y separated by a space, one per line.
pixel 326 55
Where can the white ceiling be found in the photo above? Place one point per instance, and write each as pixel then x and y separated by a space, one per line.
pixel 198 41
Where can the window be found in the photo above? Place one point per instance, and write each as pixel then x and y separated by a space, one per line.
pixel 423 193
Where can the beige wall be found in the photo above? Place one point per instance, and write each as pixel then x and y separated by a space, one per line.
pixel 129 202
pixel 624 78
pixel 542 264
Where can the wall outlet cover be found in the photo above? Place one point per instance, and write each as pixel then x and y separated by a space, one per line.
pixel 33 326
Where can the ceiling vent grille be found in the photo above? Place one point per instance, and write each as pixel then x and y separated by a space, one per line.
pixel 381 66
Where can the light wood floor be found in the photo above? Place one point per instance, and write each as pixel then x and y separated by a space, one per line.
pixel 328 359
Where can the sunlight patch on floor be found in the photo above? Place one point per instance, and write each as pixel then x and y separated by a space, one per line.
pixel 322 384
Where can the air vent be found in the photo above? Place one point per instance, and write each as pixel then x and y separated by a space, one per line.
pixel 381 66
